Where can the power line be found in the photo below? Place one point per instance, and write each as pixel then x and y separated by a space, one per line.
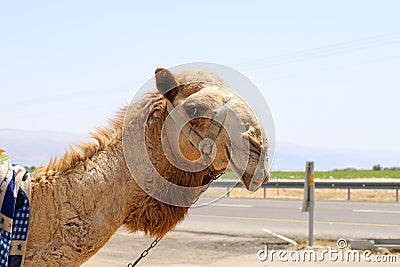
pixel 337 48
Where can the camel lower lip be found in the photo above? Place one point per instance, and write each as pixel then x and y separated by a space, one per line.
pixel 243 175
pixel 249 180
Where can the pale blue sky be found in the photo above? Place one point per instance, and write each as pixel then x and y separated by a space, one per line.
pixel 328 69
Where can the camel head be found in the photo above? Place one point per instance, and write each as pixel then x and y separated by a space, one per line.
pixel 214 127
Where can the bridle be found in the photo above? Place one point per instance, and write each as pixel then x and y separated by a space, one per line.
pixel 204 145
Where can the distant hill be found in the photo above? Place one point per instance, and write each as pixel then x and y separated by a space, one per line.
pixel 293 157
pixel 37 147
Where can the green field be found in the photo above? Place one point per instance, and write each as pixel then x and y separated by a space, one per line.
pixel 340 174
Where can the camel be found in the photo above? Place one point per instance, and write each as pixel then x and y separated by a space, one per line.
pixel 81 199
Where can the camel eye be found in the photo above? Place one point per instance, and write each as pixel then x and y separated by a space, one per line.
pixel 194 111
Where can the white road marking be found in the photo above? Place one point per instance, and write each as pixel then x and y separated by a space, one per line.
pixel 280 236
pixel 379 211
pixel 232 205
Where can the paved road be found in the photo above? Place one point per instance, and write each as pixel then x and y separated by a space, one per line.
pixel 333 219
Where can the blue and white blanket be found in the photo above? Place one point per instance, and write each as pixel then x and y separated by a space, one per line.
pixel 15 193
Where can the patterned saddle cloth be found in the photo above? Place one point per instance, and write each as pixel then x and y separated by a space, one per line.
pixel 15 193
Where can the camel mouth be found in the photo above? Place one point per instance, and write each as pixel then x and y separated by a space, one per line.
pixel 252 181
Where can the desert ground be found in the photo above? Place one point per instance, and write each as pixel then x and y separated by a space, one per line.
pixel 182 249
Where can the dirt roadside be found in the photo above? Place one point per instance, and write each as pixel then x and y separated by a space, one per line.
pixel 188 249
pixel 180 249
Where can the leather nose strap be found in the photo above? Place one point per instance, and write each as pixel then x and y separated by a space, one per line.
pixel 194 138
pixel 218 120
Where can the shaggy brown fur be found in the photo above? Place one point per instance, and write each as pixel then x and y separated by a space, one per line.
pixel 80 200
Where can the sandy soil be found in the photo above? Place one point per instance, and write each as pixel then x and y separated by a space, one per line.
pixel 182 249
pixel 321 194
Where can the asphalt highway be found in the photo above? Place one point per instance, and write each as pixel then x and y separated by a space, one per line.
pixel 333 219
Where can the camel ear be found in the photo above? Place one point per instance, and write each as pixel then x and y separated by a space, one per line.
pixel 166 83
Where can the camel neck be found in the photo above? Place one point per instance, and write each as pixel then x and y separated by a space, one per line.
pixel 77 211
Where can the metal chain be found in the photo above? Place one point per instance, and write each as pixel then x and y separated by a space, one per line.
pixel 145 252
pixel 213 178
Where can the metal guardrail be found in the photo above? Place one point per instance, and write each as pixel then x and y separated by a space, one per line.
pixel 318 185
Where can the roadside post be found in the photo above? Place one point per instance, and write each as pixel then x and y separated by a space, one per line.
pixel 308 200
